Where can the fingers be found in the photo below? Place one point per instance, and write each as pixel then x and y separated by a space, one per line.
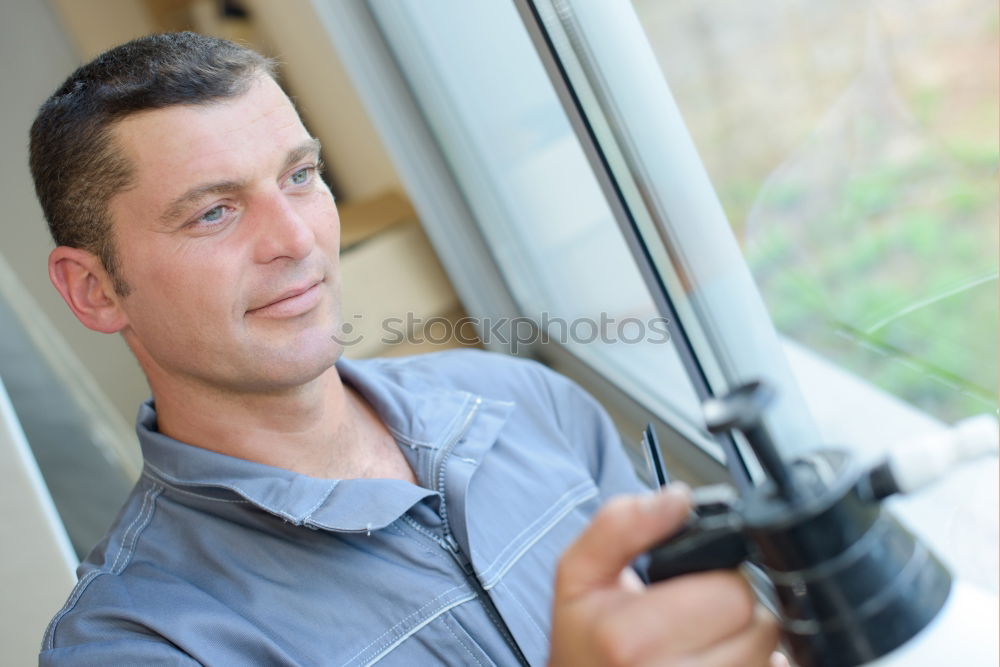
pixel 621 530
pixel 695 611
pixel 708 619
pixel 779 660
pixel 679 617
pixel 752 647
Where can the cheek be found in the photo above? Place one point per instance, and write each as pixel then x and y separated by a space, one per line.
pixel 185 293
pixel 323 210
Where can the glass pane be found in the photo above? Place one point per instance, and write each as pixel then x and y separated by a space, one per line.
pixel 489 101
pixel 854 146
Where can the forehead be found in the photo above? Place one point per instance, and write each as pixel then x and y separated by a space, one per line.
pixel 177 146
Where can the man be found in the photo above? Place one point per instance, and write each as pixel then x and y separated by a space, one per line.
pixel 294 507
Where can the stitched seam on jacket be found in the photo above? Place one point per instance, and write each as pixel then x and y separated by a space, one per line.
pixel 539 527
pixel 555 520
pixel 402 623
pixel 322 500
pixel 412 375
pixel 408 440
pixel 153 478
pixel 461 642
pixel 232 487
pixel 412 631
pixel 569 507
pixel 447 429
pixel 148 501
pixel 541 633
pixel 139 527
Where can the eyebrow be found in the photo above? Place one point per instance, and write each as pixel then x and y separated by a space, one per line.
pixel 178 206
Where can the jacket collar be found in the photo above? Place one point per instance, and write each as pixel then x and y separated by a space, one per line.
pixel 428 419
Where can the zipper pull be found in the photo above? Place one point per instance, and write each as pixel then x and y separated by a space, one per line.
pixel 458 554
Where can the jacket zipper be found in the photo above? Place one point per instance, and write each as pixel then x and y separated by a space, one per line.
pixel 484 597
pixel 447 541
pixel 445 452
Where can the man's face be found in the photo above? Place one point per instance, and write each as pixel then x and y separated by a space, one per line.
pixel 228 240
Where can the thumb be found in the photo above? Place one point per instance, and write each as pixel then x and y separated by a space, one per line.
pixel 622 529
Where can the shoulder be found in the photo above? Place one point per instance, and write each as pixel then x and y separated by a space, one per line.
pixel 124 617
pixel 489 374
pixel 540 393
pixel 102 586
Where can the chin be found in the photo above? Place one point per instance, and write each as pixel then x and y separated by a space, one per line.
pixel 300 364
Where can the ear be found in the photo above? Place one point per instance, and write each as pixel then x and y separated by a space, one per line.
pixel 86 287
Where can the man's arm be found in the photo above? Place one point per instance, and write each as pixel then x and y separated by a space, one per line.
pixel 594 436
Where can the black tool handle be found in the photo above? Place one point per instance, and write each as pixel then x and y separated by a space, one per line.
pixel 703 544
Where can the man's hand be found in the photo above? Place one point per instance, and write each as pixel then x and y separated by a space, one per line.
pixel 604 615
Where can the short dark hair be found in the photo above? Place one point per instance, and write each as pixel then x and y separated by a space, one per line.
pixel 75 164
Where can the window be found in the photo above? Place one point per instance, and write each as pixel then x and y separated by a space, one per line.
pixel 544 168
pixel 854 148
pixel 603 52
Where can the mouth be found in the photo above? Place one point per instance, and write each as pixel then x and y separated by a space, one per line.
pixel 293 302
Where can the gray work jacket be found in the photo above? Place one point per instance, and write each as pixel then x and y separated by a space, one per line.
pixel 221 561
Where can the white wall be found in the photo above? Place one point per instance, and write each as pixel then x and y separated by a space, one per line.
pixel 37 574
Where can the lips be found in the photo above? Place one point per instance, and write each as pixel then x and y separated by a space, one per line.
pixel 292 302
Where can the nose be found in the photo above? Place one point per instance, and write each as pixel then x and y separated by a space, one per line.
pixel 281 230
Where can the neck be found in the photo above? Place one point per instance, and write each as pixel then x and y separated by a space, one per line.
pixel 321 429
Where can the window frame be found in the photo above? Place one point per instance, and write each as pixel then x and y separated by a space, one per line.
pixel 624 106
pixel 445 215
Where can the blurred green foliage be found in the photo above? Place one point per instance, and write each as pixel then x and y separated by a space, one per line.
pixel 897 280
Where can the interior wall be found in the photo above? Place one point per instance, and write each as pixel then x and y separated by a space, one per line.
pixel 325 96
pixel 89 30
pixel 36 55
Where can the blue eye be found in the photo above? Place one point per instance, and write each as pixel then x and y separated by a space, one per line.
pixel 301 177
pixel 213 214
